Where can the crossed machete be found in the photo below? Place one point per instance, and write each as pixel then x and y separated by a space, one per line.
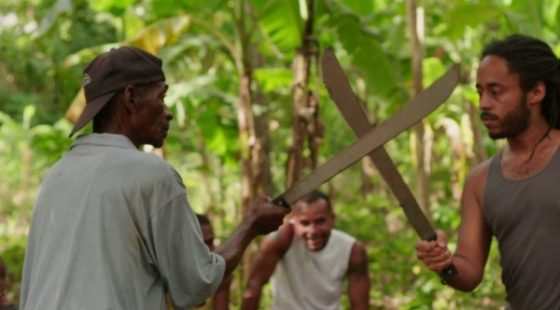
pixel 370 142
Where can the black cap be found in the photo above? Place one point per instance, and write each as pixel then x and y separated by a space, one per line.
pixel 113 71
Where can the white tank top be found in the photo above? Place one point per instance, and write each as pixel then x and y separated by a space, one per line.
pixel 304 279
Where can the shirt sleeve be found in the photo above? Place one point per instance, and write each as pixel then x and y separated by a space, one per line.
pixel 189 270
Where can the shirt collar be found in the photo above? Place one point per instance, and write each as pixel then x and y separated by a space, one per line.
pixel 104 139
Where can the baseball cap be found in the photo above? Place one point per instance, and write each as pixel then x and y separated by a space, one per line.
pixel 112 71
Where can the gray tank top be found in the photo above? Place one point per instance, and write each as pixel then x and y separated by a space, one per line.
pixel 524 216
pixel 306 280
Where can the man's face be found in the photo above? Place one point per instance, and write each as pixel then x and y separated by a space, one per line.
pixel 313 223
pixel 503 104
pixel 208 236
pixel 151 118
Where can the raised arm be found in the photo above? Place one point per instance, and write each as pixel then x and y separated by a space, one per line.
pixel 358 278
pixel 221 298
pixel 272 249
pixel 262 218
pixel 474 238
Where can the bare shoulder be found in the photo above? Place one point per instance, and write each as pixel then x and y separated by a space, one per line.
pixel 279 241
pixel 555 136
pixel 480 171
pixel 358 259
pixel 476 182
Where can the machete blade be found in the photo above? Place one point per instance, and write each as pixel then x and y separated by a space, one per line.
pixel 420 106
pixel 353 112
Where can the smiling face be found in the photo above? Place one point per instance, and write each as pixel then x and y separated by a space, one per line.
pixel 151 117
pixel 313 223
pixel 503 104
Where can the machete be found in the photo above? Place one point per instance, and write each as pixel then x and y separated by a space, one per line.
pixel 424 103
pixel 356 117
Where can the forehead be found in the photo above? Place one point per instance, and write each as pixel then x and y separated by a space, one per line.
pixel 315 208
pixel 495 70
pixel 156 88
pixel 160 86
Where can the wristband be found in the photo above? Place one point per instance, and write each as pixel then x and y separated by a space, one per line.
pixel 447 274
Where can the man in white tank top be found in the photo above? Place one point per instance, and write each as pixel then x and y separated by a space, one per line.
pixel 309 261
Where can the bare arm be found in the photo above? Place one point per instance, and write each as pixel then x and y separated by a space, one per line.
pixel 264 263
pixel 474 238
pixel 358 278
pixel 263 218
pixel 221 298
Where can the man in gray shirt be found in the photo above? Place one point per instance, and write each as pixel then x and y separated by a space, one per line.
pixel 112 227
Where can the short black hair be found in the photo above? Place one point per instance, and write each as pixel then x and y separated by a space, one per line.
pixel 535 62
pixel 202 219
pixel 314 196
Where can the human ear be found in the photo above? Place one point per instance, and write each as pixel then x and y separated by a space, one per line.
pixel 537 93
pixel 129 98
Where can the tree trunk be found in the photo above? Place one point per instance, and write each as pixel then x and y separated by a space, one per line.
pixel 253 130
pixel 368 167
pixel 306 126
pixel 416 26
pixel 246 139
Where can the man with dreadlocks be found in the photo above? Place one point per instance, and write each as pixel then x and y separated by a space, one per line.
pixel 513 196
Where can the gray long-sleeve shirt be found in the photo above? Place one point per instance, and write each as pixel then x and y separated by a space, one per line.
pixel 112 229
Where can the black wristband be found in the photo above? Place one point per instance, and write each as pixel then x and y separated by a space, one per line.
pixel 447 273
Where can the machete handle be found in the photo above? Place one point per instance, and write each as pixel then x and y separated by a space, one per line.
pixel 281 202
pixel 449 271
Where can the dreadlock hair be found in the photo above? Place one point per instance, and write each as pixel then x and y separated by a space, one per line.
pixel 535 62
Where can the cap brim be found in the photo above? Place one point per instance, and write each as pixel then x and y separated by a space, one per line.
pixel 92 108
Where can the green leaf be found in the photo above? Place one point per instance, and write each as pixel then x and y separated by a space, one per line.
pixel 271 79
pixel 433 69
pixel 115 7
pixel 469 15
pixel 218 143
pixel 28 114
pixel 184 89
pixel 369 59
pixel 362 7
pixel 557 16
pixel 280 21
pixel 201 5
pixel 167 8
pixel 52 15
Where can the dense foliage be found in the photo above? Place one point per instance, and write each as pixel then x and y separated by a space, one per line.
pixel 45 44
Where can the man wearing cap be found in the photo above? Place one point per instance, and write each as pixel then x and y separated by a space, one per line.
pixel 112 227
